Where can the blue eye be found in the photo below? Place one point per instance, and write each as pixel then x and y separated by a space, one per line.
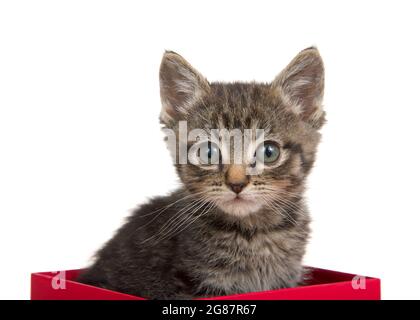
pixel 209 153
pixel 268 152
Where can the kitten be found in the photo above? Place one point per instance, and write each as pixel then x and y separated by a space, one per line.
pixel 225 231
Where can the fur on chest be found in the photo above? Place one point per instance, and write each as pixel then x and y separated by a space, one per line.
pixel 236 263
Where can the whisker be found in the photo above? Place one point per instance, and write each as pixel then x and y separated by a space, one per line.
pixel 206 209
pixel 171 204
pixel 275 207
pixel 289 205
pixel 163 209
pixel 280 203
pixel 285 201
pixel 183 218
pixel 174 218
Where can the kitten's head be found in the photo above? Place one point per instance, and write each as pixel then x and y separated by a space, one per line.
pixel 288 110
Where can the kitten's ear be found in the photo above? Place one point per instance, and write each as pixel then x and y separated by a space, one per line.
pixel 180 86
pixel 301 85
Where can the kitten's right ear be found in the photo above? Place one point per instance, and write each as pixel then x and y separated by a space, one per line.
pixel 180 86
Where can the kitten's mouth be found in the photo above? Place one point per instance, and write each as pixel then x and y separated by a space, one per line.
pixel 239 198
pixel 240 205
pixel 235 197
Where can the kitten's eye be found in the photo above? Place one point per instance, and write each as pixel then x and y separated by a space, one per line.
pixel 209 153
pixel 268 152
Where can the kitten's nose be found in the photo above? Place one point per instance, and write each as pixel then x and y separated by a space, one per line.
pixel 237 187
pixel 236 178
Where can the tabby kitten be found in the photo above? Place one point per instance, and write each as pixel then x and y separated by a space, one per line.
pixel 225 231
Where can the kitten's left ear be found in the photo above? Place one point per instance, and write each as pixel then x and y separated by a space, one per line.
pixel 180 86
pixel 301 85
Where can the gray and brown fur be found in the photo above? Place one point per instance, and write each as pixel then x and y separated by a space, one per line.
pixel 218 253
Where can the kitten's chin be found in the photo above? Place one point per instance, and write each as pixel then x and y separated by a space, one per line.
pixel 240 207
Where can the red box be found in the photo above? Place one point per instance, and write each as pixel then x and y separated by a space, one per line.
pixel 324 285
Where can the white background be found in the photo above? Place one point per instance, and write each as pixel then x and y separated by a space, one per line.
pixel 80 143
